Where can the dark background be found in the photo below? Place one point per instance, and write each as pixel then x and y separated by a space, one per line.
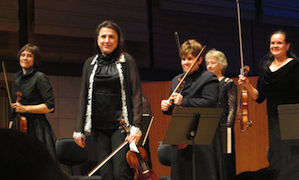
pixel 64 31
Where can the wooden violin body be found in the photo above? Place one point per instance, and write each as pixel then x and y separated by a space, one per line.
pixel 22 121
pixel 243 113
pixel 138 161
pixel 243 106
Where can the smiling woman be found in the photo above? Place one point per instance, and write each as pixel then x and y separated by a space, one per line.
pixel 278 84
pixel 110 91
pixel 37 97
pixel 107 40
pixel 26 60
pixel 279 48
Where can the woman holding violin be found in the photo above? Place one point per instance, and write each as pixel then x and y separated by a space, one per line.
pixel 278 84
pixel 200 89
pixel 110 91
pixel 33 97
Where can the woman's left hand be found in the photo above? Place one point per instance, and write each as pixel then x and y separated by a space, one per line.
pixel 19 108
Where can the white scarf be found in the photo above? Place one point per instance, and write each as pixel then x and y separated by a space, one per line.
pixel 94 62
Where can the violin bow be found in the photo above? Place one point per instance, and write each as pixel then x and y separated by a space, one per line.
pixel 241 55
pixel 243 71
pixel 90 173
pixel 106 159
pixel 6 82
pixel 177 40
pixel 147 131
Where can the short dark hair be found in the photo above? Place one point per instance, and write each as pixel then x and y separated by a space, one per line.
pixel 34 50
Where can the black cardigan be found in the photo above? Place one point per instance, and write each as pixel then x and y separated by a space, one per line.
pixel 132 85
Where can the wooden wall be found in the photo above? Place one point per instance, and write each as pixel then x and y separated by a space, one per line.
pixel 251 148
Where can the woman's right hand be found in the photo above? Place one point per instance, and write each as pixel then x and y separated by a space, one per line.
pixel 245 81
pixel 252 91
pixel 80 141
pixel 165 104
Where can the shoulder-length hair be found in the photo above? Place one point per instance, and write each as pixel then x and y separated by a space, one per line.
pixel 269 58
pixel 110 24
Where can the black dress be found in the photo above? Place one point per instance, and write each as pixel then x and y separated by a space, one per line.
pixel 201 89
pixel 279 87
pixel 228 102
pixel 36 89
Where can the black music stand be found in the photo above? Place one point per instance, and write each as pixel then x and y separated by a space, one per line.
pixel 288 115
pixel 192 126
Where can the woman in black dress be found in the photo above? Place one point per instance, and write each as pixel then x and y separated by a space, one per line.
pixel 278 84
pixel 37 97
pixel 110 91
pixel 216 62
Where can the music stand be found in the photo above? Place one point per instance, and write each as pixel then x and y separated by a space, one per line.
pixel 288 115
pixel 192 126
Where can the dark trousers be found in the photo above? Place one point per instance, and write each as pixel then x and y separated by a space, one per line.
pixel 117 168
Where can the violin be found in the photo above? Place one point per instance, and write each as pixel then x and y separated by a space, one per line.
pixel 141 169
pixel 242 111
pixel 243 107
pixel 22 123
pixel 138 161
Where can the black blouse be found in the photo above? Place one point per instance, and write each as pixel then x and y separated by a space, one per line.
pixel 279 87
pixel 132 87
pixel 35 88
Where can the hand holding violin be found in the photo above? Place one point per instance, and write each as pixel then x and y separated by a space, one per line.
pixel 253 93
pixel 243 79
pixel 18 107
pixel 133 136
